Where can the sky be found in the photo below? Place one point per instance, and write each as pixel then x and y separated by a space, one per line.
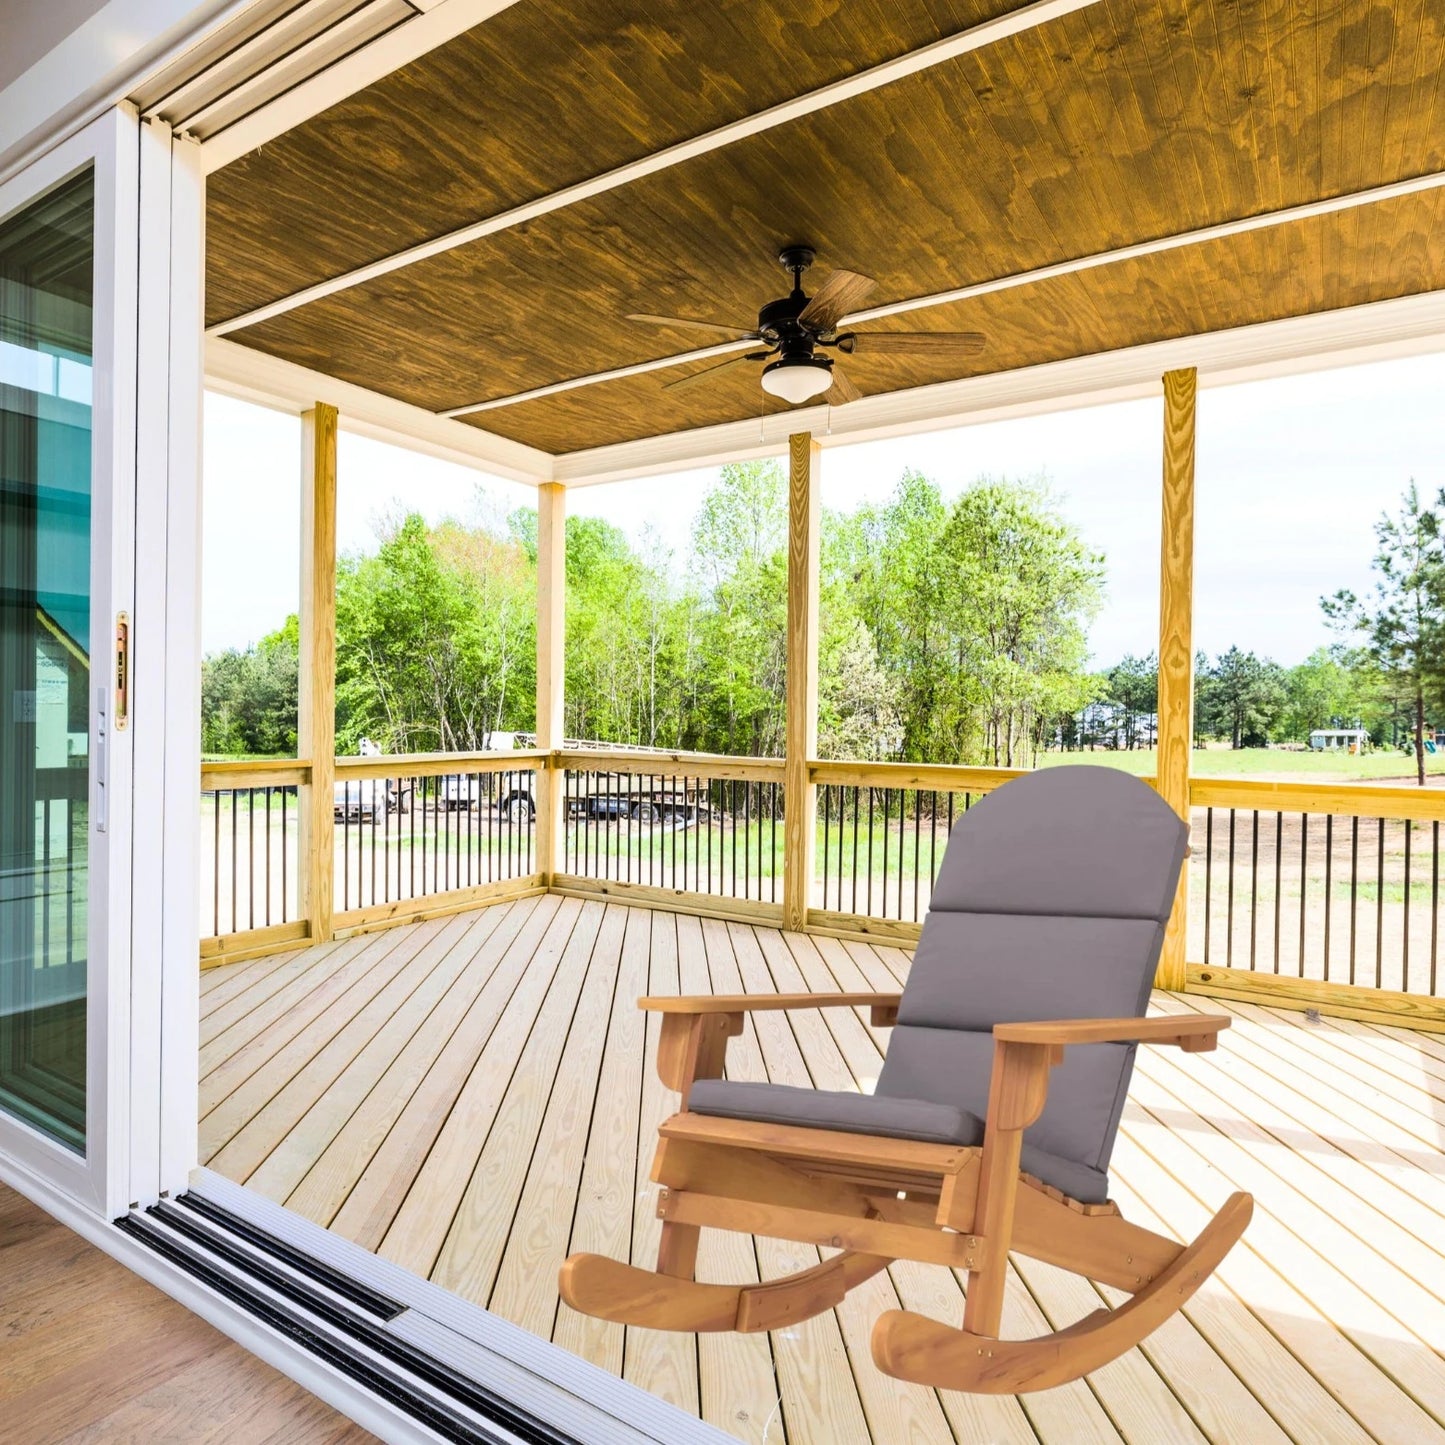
pixel 1291 477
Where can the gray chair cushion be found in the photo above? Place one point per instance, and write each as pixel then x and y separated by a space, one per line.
pixel 893 1118
pixel 954 1066
pixel 973 970
pixel 919 1119
pixel 1089 842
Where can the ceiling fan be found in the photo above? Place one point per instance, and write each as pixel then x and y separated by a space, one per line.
pixel 797 328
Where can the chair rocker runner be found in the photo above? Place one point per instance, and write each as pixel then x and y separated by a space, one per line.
pixel 992 1122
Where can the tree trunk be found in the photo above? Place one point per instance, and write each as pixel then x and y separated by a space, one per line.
pixel 1420 734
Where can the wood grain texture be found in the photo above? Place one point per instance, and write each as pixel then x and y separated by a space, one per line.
pixel 316 705
pixel 800 794
pixel 92 1353
pixel 1176 640
pixel 1093 131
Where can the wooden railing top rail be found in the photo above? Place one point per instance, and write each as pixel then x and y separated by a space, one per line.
pixel 255 773
pixel 926 777
pixel 692 765
pixel 431 765
pixel 1350 800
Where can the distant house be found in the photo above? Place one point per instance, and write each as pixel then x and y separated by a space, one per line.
pixel 1339 740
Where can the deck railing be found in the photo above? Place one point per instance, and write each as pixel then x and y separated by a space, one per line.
pixel 1335 887
pixel 1293 888
pixel 250 845
pixel 667 827
pixel 433 828
pixel 881 833
pixel 410 836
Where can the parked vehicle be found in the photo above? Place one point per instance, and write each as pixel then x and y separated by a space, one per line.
pixel 460 792
pixel 361 798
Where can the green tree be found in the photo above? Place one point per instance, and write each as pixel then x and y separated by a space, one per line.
pixel 1323 691
pixel 858 714
pixel 248 698
pixel 1403 622
pixel 1133 686
pixel 1242 698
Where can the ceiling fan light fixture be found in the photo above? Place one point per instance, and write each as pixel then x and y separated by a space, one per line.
pixel 796 379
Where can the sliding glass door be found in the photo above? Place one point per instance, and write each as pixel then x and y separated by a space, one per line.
pixel 67 499
pixel 47 255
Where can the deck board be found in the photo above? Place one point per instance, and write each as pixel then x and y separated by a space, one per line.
pixel 474 1099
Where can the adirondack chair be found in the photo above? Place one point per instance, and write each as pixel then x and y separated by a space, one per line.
pixel 992 1122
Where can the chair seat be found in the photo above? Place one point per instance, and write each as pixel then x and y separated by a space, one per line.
pixel 891 1118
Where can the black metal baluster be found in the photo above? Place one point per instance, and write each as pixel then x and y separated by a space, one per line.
pixel 1434 900
pixel 285 873
pixel 1278 881
pixel 266 843
pixel 235 849
pixel 917 846
pixel 773 846
pixel 1354 889
pixel 216 864
pixel 1253 885
pixel 1304 838
pixel 883 889
pixel 250 857
pixel 1380 904
pixel 1229 899
pixel 1208 876
pixel 932 840
pixel 827 837
pixel 870 853
pixel 857 818
pixel 1329 882
pixel 1405 961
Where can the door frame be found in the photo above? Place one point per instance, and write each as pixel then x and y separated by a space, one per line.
pixel 142 983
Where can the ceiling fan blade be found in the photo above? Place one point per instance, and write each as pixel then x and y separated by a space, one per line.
pixel 718 366
pixel 737 333
pixel 843 390
pixel 944 344
pixel 840 293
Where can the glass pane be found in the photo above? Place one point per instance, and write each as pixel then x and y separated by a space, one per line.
pixel 46 256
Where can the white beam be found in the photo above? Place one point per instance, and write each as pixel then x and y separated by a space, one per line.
pixel 440 22
pixel 979 37
pixel 1178 241
pixel 1380 331
pixel 250 375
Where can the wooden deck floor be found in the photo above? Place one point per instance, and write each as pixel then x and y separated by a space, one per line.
pixel 473 1099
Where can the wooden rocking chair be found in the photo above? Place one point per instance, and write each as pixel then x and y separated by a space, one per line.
pixel 993 1119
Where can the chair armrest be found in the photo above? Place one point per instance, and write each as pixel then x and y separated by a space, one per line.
pixel 1197 1033
pixel 696 1029
pixel 884 1005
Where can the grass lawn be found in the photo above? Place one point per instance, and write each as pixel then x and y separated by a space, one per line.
pixel 1273 764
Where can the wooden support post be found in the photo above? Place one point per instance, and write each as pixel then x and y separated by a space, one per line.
pixel 1176 641
pixel 551 673
pixel 316 704
pixel 799 794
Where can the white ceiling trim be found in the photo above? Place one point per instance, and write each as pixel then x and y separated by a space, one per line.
pixel 638 368
pixel 979 37
pixel 1383 330
pixel 1262 221
pixel 250 375
pixel 438 22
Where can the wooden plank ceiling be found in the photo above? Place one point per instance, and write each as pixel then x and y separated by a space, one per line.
pixel 1127 120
